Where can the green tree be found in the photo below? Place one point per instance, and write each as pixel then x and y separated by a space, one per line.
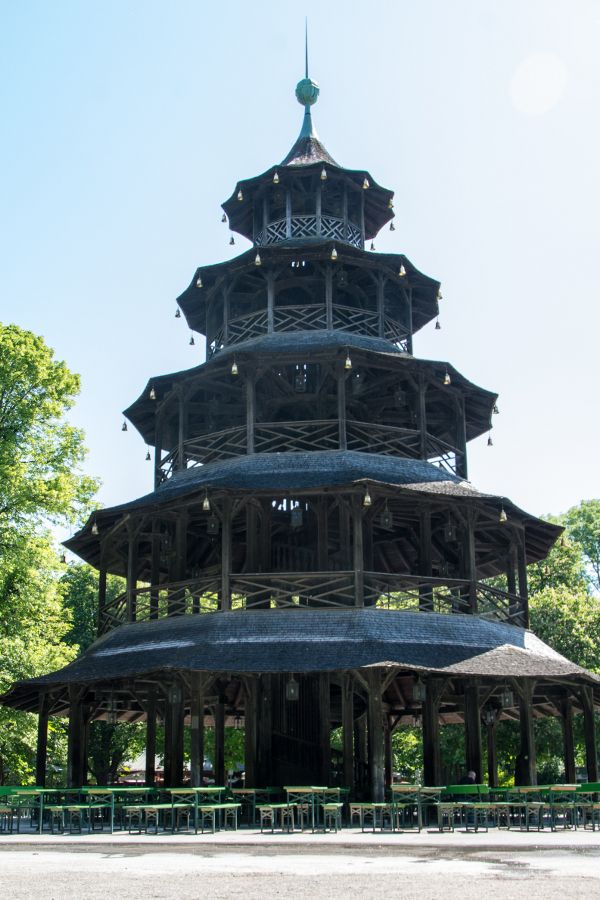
pixel 583 525
pixel 40 483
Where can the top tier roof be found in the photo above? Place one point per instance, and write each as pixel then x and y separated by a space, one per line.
pixel 309 156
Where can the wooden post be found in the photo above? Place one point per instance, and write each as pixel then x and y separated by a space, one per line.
pixel 226 315
pixel 471 561
pixel 388 755
pixel 526 763
pixel 76 739
pixel 197 729
pixel 425 560
pixel 322 534
pixel 325 727
pixel 250 710
pixel 288 214
pixel 380 306
pixel 361 754
pixel 101 592
pixel 270 301
pixel 422 416
pixel 348 730
pixel 409 342
pixel 432 761
pixel 492 756
pixel 174 736
pixel 589 732
pixel 264 727
pixel 150 774
pixel 42 741
pixel 132 564
pixel 250 413
pixel 220 740
pixel 461 440
pixel 341 407
pixel 181 430
pixel 329 296
pixel 226 554
pixel 566 711
pixel 158 435
pixel 318 209
pixel 358 557
pixel 523 592
pixel 155 569
pixel 375 736
pixel 473 756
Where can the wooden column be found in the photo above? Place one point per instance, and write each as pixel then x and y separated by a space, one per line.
pixel 341 407
pixel 329 296
pixel 471 561
pixel 361 755
pixel 380 306
pixel 325 727
pixel 589 733
pixel 473 756
pixel 220 773
pixel 101 592
pixel 523 591
pixel 196 729
pixel 270 302
pixel 375 736
pixel 461 439
pixel 76 739
pixel 250 413
pixel 322 534
pixel 155 569
pixel 42 741
pixel 226 554
pixel 174 736
pixel 425 560
pixel 409 341
pixel 250 749
pixel 358 564
pixel 526 763
pixel 388 755
pixel 347 731
pixel 158 434
pixel 432 763
pixel 226 316
pixel 264 729
pixel 181 430
pixel 132 564
pixel 150 776
pixel 566 711
pixel 318 209
pixel 492 756
pixel 422 416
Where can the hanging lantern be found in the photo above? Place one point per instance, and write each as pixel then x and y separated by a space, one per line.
pixel 199 281
pixel 450 532
pixel 177 313
pixel 275 178
pixel 95 529
pixel 296 517
pixel 438 327
pixel 392 226
pixel 503 517
pixel 507 699
pixel 240 195
pixel 402 272
pixel 112 716
pixel 234 367
pixel 206 503
pixel 292 689
pixel 367 501
pixel 323 174
pixel 419 691
pixel 192 341
pixel 447 379
pixel 347 361
pixel 231 241
pixel 223 218
pixel 152 394
pixel 366 184
pixel 124 426
pixel 490 442
pixel 386 520
pixel 148 457
pixel 334 255
pixel 257 260
pixel 212 525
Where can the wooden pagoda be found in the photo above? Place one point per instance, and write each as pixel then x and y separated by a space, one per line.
pixel 312 555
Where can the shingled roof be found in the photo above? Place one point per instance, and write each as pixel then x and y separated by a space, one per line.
pixel 312 641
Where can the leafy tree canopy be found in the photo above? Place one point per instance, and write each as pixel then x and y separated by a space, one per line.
pixel 583 525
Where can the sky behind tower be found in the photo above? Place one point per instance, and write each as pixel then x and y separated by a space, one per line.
pixel 125 125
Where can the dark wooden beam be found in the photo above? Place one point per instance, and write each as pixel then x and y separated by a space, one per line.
pixel 566 712
pixel 151 712
pixel 589 733
pixel 473 756
pixel 375 736
pixel 325 727
pixel 197 681
pixel 348 730
pixel 42 740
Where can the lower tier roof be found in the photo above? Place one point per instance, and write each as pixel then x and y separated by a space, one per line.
pixel 304 641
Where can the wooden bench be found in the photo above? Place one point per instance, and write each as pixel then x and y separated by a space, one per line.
pixel 227 813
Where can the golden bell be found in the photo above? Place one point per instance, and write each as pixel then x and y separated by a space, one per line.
pixel 240 195
pixel 234 368
pixel 199 281
pixel 366 184
pixel 323 174
pixel 257 260
pixel 275 178
pixel 447 379
pixel 334 254
pixel 402 272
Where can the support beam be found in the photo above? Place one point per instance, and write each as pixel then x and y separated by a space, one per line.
pixel 76 764
pixel 589 733
pixel 347 731
pixel 196 729
pixel 375 736
pixel 250 748
pixel 325 727
pixel 358 562
pixel 220 740
pixel 250 412
pixel 432 762
pixel 341 407
pixel 132 565
pixel 388 755
pixel 523 590
pixel 425 558
pixel 226 554
pixel 150 774
pixel 42 741
pixel 526 761
pixel 566 712
pixel 473 756
pixel 264 727
pixel 492 755
pixel 174 735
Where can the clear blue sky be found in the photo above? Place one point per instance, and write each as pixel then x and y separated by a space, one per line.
pixel 125 124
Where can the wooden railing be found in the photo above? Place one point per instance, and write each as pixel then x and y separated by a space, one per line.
pixel 312 590
pixel 307 317
pixel 311 226
pixel 308 435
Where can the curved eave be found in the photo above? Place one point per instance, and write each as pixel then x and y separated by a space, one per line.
pixel 425 290
pixel 314 472
pixel 479 402
pixel 377 198
pixel 310 641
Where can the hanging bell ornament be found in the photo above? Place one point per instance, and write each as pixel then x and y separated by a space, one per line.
pixel 177 313
pixel 323 174
pixel 366 184
pixel 438 327
pixel 192 341
pixel 334 255
pixel 223 218
pixel 231 241
pixel 275 178
pixel 402 272
pixel 257 260
pixel 240 195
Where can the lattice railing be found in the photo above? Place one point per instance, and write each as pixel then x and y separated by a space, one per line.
pixel 382 439
pixel 299 318
pixel 313 590
pixel 272 437
pixel 310 226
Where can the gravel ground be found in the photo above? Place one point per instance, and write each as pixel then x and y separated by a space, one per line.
pixel 334 872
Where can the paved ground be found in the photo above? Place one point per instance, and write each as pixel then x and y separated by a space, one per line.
pixel 429 866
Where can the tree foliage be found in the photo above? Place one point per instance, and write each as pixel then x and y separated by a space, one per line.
pixel 583 526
